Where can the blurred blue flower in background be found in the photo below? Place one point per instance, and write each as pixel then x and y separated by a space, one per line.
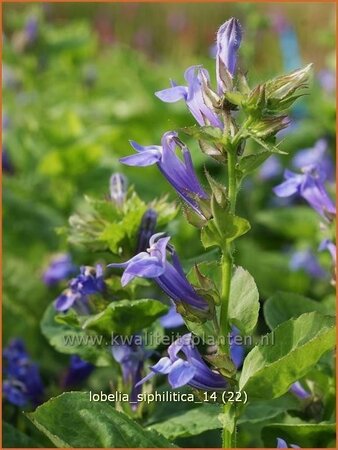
pixel 77 372
pixel 22 383
pixel 60 268
pixel 307 261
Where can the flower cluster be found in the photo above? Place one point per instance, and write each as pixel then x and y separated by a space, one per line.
pixel 22 382
pixel 184 365
pixel 90 281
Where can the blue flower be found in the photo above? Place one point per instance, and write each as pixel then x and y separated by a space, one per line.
pixel 31 29
pixel 131 355
pixel 310 186
pixel 193 96
pixel 60 268
pixel 146 230
pixel 229 38
pixel 118 185
pixel 170 277
pixel 78 371
pixel 282 444
pixel 299 391
pixel 184 365
pixel 172 319
pixel 315 159
pixel 306 260
pixel 327 80
pixel 22 383
pixel 7 165
pixel 180 174
pixel 236 349
pixel 90 281
pixel 271 168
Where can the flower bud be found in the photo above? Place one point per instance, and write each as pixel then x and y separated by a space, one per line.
pixel 229 38
pixel 146 230
pixel 281 91
pixel 118 188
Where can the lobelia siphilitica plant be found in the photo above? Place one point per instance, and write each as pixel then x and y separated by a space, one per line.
pixel 216 301
pixel 217 296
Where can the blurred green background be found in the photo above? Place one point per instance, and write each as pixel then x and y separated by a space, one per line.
pixel 79 82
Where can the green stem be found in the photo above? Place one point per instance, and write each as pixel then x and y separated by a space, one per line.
pixel 228 438
pixel 225 292
pixel 232 184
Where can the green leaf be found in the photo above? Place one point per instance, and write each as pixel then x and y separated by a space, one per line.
pixel 306 435
pixel 249 163
pixel 282 306
pixel 261 411
pixel 266 145
pixel 189 423
pixel 72 340
pixel 126 316
pixel 14 438
pixel 207 133
pixel 243 301
pixel 286 355
pixel 291 222
pixel 225 227
pixel 72 420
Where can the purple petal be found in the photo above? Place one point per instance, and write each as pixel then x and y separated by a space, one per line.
pixel 281 443
pixel 150 267
pixel 172 94
pixel 146 378
pixel 287 188
pixel 229 38
pixel 299 391
pixel 65 301
pixel 181 373
pixel 177 346
pixel 172 319
pixel 163 366
pixel 144 148
pixel 146 158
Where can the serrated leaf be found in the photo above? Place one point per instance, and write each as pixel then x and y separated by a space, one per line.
pixel 243 301
pixel 286 355
pixel 72 420
pixel 249 163
pixel 206 133
pixel 126 316
pixel 266 145
pixel 227 228
pixel 283 306
pixel 73 340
